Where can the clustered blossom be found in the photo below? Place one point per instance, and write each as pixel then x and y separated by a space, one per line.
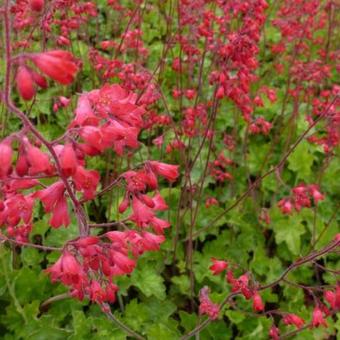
pixel 243 285
pixel 333 298
pixel 58 65
pixel 300 24
pixel 108 118
pixel 260 126
pixel 302 197
pixel 292 319
pixel 113 116
pixel 318 319
pixel 218 266
pixel 143 206
pixel 63 17
pixel 329 136
pixel 218 168
pixel 210 201
pixel 89 265
pixel 207 307
pixel 238 55
pixel 105 118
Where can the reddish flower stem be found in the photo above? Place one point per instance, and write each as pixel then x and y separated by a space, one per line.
pixel 27 244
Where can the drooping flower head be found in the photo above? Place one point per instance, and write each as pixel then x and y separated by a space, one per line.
pixel 6 153
pixel 218 266
pixel 58 65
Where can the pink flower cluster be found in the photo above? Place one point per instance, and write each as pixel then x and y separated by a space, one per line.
pixel 58 65
pixel 248 289
pixel 105 118
pixel 218 168
pixel 242 284
pixel 207 307
pixel 90 264
pixel 302 197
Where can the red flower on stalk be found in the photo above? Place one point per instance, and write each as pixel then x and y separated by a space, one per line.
pixel 258 305
pixel 125 264
pixel 84 114
pixel 86 181
pixel 68 270
pixel 37 5
pixel 218 266
pixel 168 171
pixel 37 160
pixel 58 65
pixel 68 160
pixel 51 195
pixel 60 214
pixel 318 319
pixel 6 153
pixel 207 307
pixel 274 333
pixel 333 298
pixel 19 207
pixel 54 201
pixel 151 242
pixel 292 319
pixel 25 84
pixel 142 214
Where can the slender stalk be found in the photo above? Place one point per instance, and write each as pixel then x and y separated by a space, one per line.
pixel 121 325
pixel 27 244
pixel 52 299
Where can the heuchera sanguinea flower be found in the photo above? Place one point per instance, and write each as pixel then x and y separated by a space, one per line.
pixel 151 242
pixel 258 305
pixel 142 214
pixel 330 298
pixel 86 181
pixel 218 266
pixel 120 103
pixel 60 214
pixel 21 166
pixel 19 207
pixel 274 332
pixel 67 270
pixel 37 5
pixel 68 160
pixel 58 65
pixel 285 205
pixel 240 284
pixel 159 202
pixel 168 171
pixel 51 195
pixel 38 161
pixel 84 114
pixel 333 298
pixel 39 79
pixel 207 307
pixel 24 82
pixel 292 319
pixel 54 201
pixel 126 264
pixel 6 153
pixel 159 225
pixel 318 319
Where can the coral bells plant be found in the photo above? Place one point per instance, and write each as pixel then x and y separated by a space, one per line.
pixel 169 169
